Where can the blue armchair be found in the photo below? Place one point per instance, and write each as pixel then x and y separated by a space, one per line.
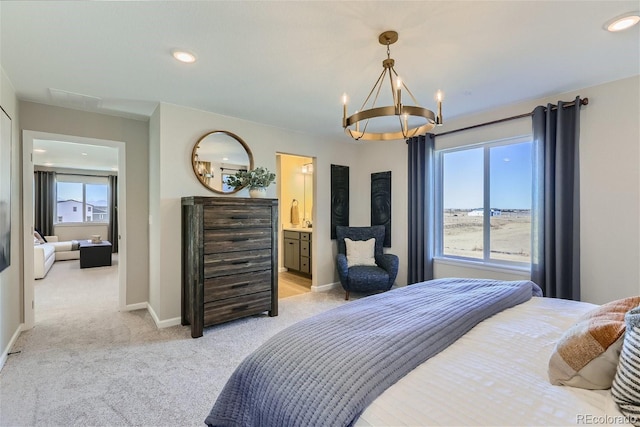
pixel 365 278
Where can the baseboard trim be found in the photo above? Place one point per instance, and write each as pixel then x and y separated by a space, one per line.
pixel 160 324
pixel 325 288
pixel 138 306
pixel 12 341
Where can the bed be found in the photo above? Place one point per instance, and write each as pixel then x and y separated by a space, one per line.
pixel 493 371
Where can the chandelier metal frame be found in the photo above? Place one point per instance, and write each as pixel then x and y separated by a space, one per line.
pixel 352 123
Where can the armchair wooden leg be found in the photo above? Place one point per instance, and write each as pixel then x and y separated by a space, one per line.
pixel 346 297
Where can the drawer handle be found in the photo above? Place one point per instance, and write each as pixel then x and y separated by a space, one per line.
pixel 240 217
pixel 240 239
pixel 240 308
pixel 240 285
pixel 239 262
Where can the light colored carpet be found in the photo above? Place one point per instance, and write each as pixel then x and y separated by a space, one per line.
pixel 85 363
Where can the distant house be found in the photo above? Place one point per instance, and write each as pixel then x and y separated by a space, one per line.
pixel 71 211
pixel 99 213
pixel 480 212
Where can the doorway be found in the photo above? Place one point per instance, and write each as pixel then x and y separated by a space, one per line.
pixel 296 194
pixel 31 138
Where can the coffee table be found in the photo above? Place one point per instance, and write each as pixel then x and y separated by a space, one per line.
pixel 95 254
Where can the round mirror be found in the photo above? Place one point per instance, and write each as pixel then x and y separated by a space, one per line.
pixel 218 155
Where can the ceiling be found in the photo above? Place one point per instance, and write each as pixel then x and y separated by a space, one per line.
pixel 287 64
pixel 72 155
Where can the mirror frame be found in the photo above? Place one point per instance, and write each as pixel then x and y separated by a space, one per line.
pixel 195 149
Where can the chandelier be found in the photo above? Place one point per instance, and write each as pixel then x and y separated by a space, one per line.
pixel 373 123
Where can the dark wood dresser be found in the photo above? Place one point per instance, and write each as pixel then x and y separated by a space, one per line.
pixel 229 259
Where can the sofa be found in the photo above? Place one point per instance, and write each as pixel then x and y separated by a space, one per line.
pixel 45 254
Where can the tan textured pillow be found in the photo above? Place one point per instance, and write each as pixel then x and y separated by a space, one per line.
pixel 586 356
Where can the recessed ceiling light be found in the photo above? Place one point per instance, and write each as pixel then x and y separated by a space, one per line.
pixel 48 164
pixel 623 22
pixel 184 56
pixel 84 154
pixel 225 158
pixel 39 150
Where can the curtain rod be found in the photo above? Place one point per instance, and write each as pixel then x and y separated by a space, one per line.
pixel 79 174
pixel 584 101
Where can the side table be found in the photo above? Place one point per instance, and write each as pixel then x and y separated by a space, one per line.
pixel 95 254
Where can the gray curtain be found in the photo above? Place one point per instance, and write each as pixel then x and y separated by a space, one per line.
pixel 45 201
pixel 113 213
pixel 555 261
pixel 421 208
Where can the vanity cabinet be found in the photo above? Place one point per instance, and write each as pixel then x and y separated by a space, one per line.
pixel 297 251
pixel 229 259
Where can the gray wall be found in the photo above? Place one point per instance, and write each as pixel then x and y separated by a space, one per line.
pixel 135 135
pixel 610 193
pixel 11 277
pixel 174 130
pixel 609 185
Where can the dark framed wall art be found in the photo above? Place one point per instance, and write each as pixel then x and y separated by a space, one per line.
pixel 5 190
pixel 339 197
pixel 381 203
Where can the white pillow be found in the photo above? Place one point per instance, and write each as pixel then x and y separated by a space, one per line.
pixel 360 252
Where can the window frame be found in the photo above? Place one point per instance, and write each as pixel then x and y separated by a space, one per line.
pixel 486 260
pixel 84 180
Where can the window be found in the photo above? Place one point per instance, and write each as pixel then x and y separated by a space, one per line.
pixel 483 203
pixel 82 199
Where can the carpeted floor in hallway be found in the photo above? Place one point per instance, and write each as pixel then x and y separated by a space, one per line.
pixel 85 363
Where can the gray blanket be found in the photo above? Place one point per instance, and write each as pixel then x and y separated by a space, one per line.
pixel 327 369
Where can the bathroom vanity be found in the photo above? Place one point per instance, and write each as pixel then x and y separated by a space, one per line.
pixel 297 249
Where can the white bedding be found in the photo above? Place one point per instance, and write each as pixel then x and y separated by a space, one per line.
pixel 496 375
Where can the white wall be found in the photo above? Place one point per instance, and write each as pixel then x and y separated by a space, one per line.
pixel 66 233
pixel 609 180
pixel 11 277
pixel 174 130
pixel 382 156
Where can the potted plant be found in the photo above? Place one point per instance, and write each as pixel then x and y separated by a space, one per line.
pixel 257 180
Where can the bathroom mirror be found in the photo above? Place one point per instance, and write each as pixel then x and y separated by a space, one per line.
pixel 216 156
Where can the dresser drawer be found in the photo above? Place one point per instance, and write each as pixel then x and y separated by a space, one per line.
pixel 305 236
pixel 227 263
pixel 237 217
pixel 221 240
pixel 233 308
pixel 217 288
pixel 305 265
pixel 305 248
